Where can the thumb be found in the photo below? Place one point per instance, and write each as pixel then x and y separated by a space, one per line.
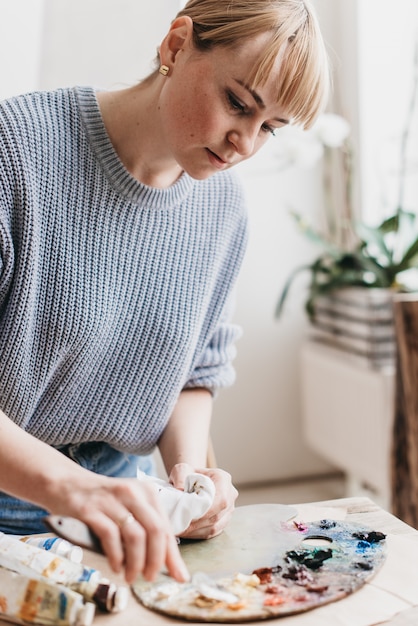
pixel 179 473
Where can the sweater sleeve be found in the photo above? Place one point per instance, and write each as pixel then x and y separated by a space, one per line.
pixel 214 368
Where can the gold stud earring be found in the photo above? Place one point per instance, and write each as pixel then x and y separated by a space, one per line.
pixel 164 69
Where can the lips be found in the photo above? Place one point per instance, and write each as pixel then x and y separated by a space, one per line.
pixel 216 159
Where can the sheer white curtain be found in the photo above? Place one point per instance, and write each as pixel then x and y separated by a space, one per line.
pixel 371 45
pixel 387 35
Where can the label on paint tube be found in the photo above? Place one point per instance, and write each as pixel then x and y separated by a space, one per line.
pixel 54 544
pixel 26 600
pixel 30 560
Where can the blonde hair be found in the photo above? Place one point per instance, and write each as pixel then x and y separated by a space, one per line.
pixel 304 80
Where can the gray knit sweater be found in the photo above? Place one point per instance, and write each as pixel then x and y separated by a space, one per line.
pixel 114 296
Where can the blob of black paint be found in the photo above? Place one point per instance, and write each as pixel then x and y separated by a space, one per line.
pixel 364 565
pixel 312 559
pixel 299 573
pixel 372 537
pixel 326 524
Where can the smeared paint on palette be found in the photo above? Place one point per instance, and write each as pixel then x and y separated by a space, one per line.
pixel 297 576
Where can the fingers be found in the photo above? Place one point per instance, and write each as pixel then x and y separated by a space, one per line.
pixel 109 537
pixel 156 548
pixel 137 536
pixel 219 514
pixel 149 545
pixel 211 524
pixel 176 569
pixel 179 473
pixel 133 541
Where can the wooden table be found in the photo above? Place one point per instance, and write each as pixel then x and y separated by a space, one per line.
pixel 360 510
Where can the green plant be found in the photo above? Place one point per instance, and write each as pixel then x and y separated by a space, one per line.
pixel 375 260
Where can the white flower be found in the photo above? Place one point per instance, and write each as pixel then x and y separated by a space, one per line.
pixel 331 130
pixel 295 147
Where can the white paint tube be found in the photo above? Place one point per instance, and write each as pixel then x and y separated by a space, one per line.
pixel 26 600
pixel 54 544
pixel 30 560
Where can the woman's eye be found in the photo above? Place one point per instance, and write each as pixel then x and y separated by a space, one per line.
pixel 269 129
pixel 236 104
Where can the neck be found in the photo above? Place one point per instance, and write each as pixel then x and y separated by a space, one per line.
pixel 131 120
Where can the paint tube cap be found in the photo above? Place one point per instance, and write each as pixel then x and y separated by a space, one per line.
pixel 85 614
pixel 75 554
pixel 120 599
pixel 111 598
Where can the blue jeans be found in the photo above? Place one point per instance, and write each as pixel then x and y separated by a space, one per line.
pixel 23 518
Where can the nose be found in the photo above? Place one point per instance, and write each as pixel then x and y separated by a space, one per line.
pixel 243 140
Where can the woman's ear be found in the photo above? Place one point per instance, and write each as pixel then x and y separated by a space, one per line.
pixel 178 38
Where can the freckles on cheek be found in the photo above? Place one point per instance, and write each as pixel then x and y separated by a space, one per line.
pixel 208 121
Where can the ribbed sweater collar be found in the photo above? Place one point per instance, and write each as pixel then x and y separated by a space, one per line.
pixel 121 180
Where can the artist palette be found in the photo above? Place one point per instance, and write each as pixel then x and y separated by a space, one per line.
pixel 266 566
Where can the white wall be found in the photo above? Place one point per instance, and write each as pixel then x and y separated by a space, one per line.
pixel 104 43
pixel 21 24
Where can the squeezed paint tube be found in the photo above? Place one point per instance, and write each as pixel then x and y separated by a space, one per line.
pixel 30 560
pixel 56 545
pixel 26 600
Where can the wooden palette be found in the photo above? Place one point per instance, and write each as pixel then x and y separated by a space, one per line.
pixel 298 567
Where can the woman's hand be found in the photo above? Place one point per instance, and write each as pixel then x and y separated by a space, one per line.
pixel 219 514
pixel 125 513
pixel 131 524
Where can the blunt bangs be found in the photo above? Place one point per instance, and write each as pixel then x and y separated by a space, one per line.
pixel 303 81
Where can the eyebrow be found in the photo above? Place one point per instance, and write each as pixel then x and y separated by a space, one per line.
pixel 260 101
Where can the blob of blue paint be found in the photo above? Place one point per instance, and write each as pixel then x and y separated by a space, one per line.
pixel 362 546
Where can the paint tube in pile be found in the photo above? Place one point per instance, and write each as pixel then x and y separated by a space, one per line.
pixel 54 544
pixel 31 561
pixel 105 594
pixel 26 600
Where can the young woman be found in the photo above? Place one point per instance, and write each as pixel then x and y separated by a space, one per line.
pixel 122 232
